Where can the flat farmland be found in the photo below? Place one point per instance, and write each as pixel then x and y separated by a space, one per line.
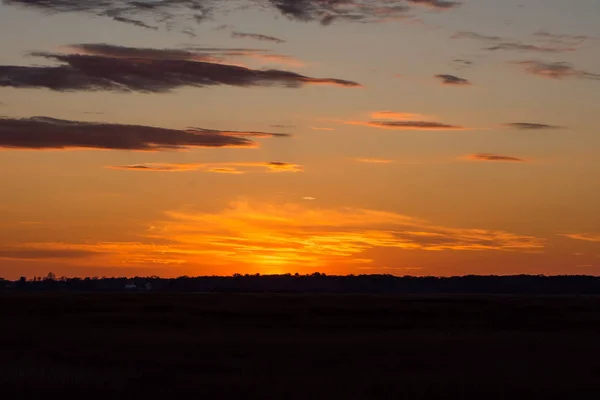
pixel 299 346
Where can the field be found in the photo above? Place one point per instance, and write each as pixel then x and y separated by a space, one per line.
pixel 238 346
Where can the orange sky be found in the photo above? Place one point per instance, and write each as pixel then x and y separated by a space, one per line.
pixel 399 137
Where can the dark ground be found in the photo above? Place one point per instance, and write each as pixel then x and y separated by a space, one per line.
pixel 240 346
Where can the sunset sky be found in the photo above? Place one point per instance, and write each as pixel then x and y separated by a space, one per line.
pixel 211 137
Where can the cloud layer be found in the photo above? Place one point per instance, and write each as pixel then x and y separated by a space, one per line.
pixel 407 125
pixel 292 235
pixel 555 70
pixel 230 56
pixel 151 14
pixel 586 237
pixel 49 133
pixel 493 157
pixel 124 69
pixel 552 43
pixel 452 80
pixel 402 121
pixel 530 126
pixel 256 36
pixel 516 46
pixel 232 167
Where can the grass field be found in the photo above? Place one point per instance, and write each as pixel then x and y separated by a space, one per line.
pixel 298 346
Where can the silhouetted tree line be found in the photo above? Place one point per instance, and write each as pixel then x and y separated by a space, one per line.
pixel 319 283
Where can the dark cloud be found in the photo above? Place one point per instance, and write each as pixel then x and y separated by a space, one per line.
pixel 247 134
pixel 529 126
pixel 493 157
pixel 236 168
pixel 145 70
pixel 142 167
pixel 49 133
pixel 256 36
pixel 452 80
pixel 439 4
pixel 511 45
pixel 459 64
pixel 555 70
pixel 282 126
pixel 529 47
pixel 475 36
pixel 209 54
pixel 135 22
pixel 159 167
pixel 281 166
pixel 135 12
pixel 406 125
pixel 401 121
pixel 149 14
pixel 414 125
pixel 561 38
pixel 189 32
pixel 462 62
pixel 220 55
pixel 327 11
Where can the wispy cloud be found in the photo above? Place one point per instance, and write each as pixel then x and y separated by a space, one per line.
pixel 493 157
pixel 460 63
pixel 555 70
pixel 516 46
pixel 272 229
pixel 165 13
pixel 132 21
pixel 531 126
pixel 413 125
pixel 586 237
pixel 438 4
pixel 327 12
pixel 230 56
pixel 561 38
pixel 144 14
pixel 39 133
pixel 146 71
pixel 256 36
pixel 395 120
pixel 224 167
pixel 226 170
pixel 373 160
pixel 321 128
pixel 475 36
pixel 287 235
pixel 452 80
pixel 498 43
pixel 246 134
pixel 159 167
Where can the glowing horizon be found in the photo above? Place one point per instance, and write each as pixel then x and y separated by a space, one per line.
pixel 405 137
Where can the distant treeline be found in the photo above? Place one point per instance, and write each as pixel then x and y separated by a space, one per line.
pixel 319 283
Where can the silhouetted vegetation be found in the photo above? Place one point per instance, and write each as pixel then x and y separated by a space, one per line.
pixel 297 346
pixel 321 283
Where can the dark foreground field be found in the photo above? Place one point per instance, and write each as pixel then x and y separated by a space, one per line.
pixel 298 347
